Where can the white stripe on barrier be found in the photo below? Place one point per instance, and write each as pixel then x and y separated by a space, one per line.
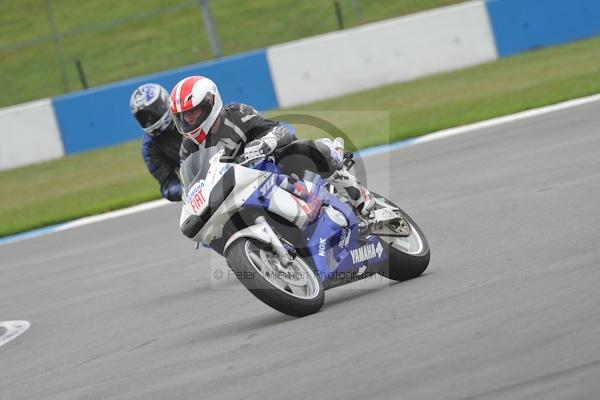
pixel 381 53
pixel 29 134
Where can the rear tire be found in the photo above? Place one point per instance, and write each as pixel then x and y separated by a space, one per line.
pixel 404 264
pixel 246 259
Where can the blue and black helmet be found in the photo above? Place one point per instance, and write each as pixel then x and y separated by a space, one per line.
pixel 149 104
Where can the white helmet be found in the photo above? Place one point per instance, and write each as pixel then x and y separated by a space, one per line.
pixel 195 104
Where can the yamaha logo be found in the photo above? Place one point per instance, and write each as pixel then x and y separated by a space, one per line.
pixel 366 253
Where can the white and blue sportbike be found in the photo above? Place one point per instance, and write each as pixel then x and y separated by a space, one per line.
pixel 288 238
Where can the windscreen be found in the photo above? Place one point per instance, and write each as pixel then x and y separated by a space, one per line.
pixel 196 166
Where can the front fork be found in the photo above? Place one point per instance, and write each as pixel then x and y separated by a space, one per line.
pixel 263 232
pixel 281 251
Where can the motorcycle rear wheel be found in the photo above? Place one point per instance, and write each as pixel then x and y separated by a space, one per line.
pixel 298 293
pixel 408 256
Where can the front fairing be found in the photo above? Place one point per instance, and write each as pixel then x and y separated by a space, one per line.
pixel 200 172
pixel 213 192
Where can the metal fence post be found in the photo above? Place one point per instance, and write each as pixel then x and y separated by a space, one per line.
pixel 210 28
pixel 338 14
pixel 81 74
pixel 57 48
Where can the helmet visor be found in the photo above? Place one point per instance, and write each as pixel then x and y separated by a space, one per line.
pixel 151 114
pixel 190 120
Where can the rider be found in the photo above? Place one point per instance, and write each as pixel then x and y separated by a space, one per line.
pixel 203 120
pixel 149 105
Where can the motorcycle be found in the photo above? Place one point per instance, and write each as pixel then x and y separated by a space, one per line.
pixel 290 236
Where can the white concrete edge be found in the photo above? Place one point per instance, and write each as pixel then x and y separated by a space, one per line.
pixel 114 214
pixel 84 221
pixel 363 153
pixel 459 130
pixel 508 118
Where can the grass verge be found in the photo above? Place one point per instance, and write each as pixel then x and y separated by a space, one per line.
pixel 115 177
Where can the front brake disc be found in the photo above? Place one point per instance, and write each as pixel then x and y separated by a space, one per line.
pixel 291 275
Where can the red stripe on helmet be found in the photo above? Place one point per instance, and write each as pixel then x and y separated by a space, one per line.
pixel 186 91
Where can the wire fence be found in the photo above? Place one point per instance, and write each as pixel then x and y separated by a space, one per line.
pixel 48 47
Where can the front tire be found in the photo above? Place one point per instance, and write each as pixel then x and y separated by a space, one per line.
pixel 298 293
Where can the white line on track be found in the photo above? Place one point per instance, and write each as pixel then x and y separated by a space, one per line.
pixel 83 221
pixel 364 153
pixel 13 330
pixel 459 130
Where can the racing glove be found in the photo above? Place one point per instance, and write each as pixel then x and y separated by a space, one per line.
pixel 258 148
pixel 173 192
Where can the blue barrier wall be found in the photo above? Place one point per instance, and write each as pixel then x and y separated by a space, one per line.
pixel 100 117
pixel 521 25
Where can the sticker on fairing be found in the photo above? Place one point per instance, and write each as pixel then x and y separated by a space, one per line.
pixel 266 190
pixel 195 198
pixel 311 207
pixel 366 252
pixel 344 238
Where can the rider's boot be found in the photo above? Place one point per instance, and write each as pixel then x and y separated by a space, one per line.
pixel 359 196
pixel 345 182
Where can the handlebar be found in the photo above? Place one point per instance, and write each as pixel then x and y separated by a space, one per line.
pixel 245 162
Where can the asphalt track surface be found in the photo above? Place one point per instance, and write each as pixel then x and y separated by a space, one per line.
pixel 509 308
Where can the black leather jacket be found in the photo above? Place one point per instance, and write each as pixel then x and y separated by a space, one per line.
pixel 161 155
pixel 237 125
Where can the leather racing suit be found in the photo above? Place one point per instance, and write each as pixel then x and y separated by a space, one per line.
pixel 161 155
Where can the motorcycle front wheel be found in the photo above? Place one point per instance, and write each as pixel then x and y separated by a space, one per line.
pixel 294 290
